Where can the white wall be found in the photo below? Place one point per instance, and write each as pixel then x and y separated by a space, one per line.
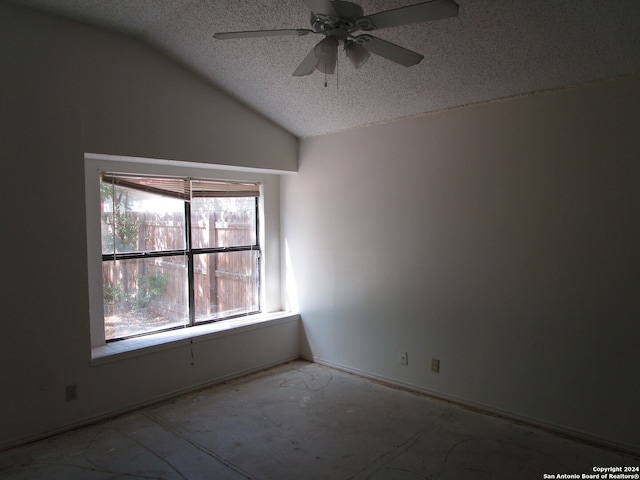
pixel 67 89
pixel 502 239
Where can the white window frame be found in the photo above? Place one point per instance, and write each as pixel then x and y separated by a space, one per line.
pixel 268 238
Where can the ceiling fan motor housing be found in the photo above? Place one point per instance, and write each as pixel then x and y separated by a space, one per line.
pixel 349 18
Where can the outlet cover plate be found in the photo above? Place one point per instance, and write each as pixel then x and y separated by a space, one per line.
pixel 71 392
pixel 435 365
pixel 403 358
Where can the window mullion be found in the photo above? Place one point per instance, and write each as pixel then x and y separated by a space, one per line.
pixel 190 268
pixel 259 260
pixel 138 255
pixel 241 248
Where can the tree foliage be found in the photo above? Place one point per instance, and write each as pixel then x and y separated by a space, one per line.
pixel 124 224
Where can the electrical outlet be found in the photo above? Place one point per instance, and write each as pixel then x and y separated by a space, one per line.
pixel 435 365
pixel 403 358
pixel 71 392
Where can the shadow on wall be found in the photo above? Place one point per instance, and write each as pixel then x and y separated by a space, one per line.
pixel 291 301
pixel 291 286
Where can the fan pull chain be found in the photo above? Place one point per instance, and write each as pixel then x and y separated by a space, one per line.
pixel 325 76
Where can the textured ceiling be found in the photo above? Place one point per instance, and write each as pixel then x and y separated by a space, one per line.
pixel 493 49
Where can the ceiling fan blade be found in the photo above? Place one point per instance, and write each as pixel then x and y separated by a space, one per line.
pixel 421 12
pixel 307 66
pixel 261 33
pixel 390 51
pixel 322 7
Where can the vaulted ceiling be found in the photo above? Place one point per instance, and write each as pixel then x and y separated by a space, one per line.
pixel 493 49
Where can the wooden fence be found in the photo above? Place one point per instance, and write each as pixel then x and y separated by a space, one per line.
pixel 225 283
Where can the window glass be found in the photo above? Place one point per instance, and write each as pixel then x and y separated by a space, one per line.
pixel 137 221
pixel 226 284
pixel 223 222
pixel 144 295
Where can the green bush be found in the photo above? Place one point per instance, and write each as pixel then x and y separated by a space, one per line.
pixel 151 286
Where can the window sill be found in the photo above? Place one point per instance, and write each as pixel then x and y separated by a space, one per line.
pixel 133 347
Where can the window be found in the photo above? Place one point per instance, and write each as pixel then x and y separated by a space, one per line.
pixel 176 252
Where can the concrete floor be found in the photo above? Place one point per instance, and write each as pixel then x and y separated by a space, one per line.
pixel 304 421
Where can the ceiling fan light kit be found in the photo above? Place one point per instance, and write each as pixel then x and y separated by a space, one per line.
pixel 339 20
pixel 356 54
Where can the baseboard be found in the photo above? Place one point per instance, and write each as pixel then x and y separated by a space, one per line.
pixel 579 436
pixel 137 406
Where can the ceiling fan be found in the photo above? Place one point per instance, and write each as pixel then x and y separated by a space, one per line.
pixel 339 20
